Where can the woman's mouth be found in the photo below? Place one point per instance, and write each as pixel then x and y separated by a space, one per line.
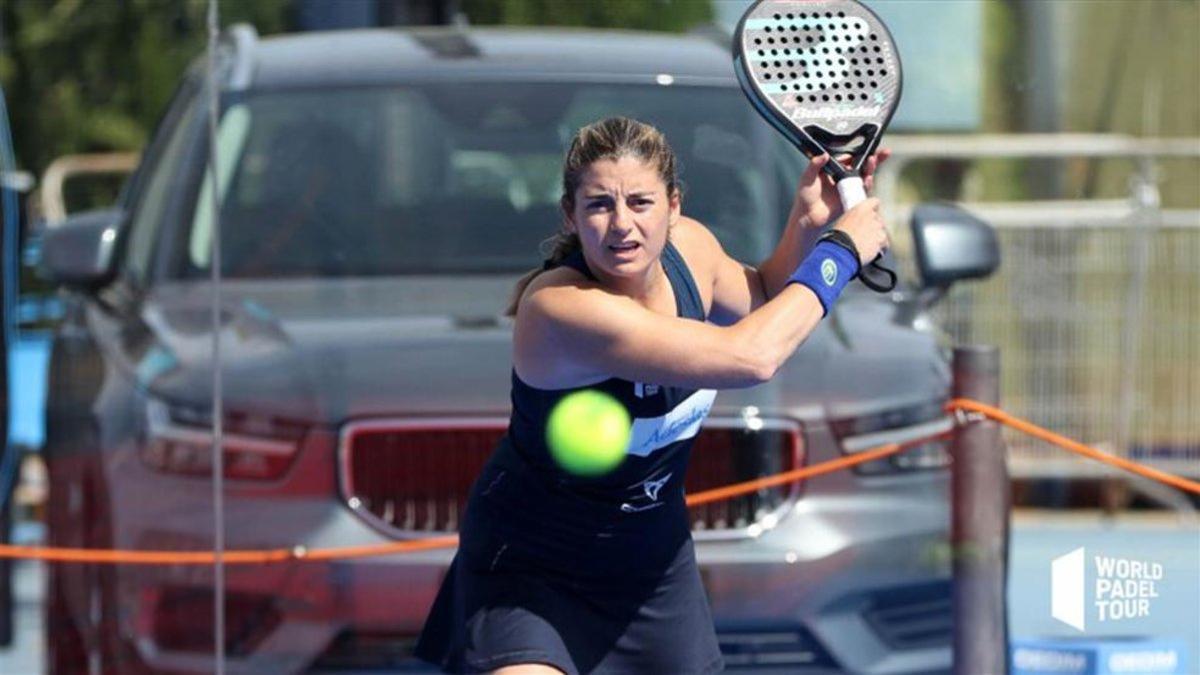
pixel 624 248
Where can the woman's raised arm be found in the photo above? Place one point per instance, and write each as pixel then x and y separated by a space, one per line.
pixel 572 334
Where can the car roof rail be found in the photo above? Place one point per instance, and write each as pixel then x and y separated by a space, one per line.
pixel 242 38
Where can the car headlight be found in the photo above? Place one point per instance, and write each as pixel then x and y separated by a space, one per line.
pixel 901 425
pixel 179 440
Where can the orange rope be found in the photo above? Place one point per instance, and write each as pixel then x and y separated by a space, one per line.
pixel 1068 444
pixel 409 546
pixel 300 553
pixel 738 489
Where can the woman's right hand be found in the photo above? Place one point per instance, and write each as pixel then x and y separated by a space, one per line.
pixel 865 226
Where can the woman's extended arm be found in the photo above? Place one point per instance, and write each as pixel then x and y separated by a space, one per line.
pixel 571 334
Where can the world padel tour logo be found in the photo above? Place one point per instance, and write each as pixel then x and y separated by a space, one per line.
pixel 1124 588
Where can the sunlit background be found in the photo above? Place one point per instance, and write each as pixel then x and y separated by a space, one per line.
pixel 387 170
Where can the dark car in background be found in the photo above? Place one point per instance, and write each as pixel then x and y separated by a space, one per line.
pixel 381 191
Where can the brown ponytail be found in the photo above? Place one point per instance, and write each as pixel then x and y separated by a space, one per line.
pixel 610 138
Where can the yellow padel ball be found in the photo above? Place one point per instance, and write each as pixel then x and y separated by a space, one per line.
pixel 588 433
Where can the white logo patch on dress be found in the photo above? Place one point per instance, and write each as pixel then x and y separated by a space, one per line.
pixel 652 487
pixel 651 433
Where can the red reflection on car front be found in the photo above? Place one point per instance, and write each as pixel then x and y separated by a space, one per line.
pixel 413 476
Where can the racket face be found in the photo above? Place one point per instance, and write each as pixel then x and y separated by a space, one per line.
pixel 825 72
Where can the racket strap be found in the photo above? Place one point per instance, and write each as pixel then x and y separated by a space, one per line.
pixel 842 239
pixel 870 276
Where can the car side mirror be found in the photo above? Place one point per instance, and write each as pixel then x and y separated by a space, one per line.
pixel 952 245
pixel 79 251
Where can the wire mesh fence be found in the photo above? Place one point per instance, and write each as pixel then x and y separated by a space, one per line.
pixel 1096 305
pixel 1098 320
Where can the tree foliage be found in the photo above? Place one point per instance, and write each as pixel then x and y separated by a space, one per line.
pixel 94 75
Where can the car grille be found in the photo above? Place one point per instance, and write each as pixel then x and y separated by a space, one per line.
pixel 913 617
pixel 411 477
pixel 772 649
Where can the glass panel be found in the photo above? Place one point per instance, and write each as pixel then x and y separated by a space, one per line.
pixel 381 191
pixel 370 237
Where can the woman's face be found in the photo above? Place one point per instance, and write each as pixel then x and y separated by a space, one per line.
pixel 622 215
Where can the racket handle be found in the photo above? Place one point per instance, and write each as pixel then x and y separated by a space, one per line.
pixel 852 192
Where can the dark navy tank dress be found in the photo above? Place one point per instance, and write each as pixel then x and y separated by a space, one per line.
pixel 589 575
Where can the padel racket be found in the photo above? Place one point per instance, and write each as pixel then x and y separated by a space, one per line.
pixel 826 75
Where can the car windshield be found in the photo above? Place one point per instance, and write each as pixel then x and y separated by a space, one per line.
pixel 459 178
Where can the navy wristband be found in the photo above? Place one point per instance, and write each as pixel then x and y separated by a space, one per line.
pixel 826 270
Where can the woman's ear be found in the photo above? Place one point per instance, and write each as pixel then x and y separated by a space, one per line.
pixel 568 213
pixel 676 204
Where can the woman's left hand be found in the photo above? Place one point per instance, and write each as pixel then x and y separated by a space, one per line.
pixel 816 201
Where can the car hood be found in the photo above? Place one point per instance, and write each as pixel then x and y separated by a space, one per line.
pixel 331 350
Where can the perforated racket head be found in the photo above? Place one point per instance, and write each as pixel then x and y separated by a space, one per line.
pixel 825 73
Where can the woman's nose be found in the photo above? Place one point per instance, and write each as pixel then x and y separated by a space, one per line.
pixel 622 218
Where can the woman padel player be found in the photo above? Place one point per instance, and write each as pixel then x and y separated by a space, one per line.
pixel 560 573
